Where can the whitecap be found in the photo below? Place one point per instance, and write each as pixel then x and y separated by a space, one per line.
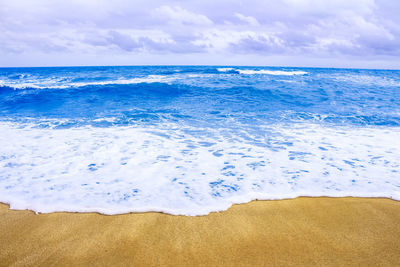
pixel 272 72
pixel 55 84
pixel 225 69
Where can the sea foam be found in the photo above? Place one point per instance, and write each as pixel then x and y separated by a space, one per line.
pixel 272 72
pixel 262 71
pixel 168 168
pixel 54 83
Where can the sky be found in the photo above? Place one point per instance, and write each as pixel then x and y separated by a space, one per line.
pixel 304 33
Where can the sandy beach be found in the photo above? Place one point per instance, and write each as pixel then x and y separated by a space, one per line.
pixel 302 231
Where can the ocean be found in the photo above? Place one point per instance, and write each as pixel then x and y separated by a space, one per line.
pixel 190 140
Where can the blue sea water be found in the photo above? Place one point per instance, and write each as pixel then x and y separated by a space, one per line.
pixel 194 139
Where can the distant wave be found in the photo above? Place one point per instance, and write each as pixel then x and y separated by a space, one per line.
pixel 273 72
pixel 224 69
pixel 366 79
pixel 54 84
pixel 268 72
pixel 148 79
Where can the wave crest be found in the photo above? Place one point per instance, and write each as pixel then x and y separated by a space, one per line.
pixel 263 71
pixel 273 72
pixel 56 84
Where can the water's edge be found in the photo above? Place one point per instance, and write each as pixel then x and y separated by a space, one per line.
pixel 316 198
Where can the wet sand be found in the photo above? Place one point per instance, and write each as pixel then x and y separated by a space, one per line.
pixel 302 231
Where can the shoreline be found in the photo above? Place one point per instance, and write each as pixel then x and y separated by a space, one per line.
pixel 160 211
pixel 313 231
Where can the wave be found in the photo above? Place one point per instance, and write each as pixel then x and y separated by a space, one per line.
pixel 225 69
pixel 262 71
pixel 148 79
pixel 60 84
pixel 273 72
pixel 366 80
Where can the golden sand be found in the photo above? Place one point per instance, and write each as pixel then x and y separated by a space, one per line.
pixel 302 231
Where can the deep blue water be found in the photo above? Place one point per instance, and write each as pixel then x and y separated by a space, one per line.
pixel 200 95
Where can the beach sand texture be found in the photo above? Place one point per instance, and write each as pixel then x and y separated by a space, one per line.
pixel 302 231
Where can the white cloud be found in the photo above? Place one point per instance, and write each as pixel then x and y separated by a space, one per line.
pixel 248 19
pixel 221 40
pixel 178 14
pixel 337 30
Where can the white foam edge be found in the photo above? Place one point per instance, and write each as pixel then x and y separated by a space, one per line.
pixel 237 200
pixel 148 79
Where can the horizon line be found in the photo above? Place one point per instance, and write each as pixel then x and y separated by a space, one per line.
pixel 197 65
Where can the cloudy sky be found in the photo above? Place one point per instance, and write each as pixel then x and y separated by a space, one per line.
pixel 336 33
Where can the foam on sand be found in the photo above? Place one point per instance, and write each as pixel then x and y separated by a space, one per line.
pixel 324 231
pixel 167 168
